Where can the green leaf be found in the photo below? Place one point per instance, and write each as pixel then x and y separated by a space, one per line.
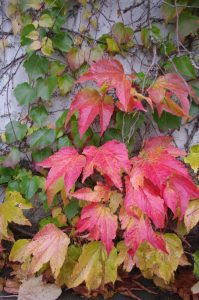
pixel 12 159
pixel 112 134
pixel 45 87
pixel 123 35
pixel 29 187
pixel 26 4
pixel 25 31
pixel 72 209
pixel 74 134
pixel 156 33
pixel 36 65
pixel 61 120
pixel 167 47
pixel 56 68
pixel 145 37
pixel 169 10
pixel 39 115
pixel 40 155
pixel 196 263
pixel 45 21
pixel 184 66
pixel 25 94
pixel 188 24
pixel 112 45
pixel 65 84
pixel 128 123
pixel 15 131
pixel 64 142
pixel 47 46
pixel 166 121
pixel 62 41
pixel 194 108
pixel 42 138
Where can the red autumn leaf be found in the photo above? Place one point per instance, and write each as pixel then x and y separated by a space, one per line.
pixel 157 162
pixel 177 193
pixel 50 244
pixel 157 166
pixel 139 230
pixel 66 163
pixel 101 224
pixel 89 104
pixel 111 73
pixel 165 86
pixel 110 160
pixel 135 102
pixel 100 193
pixel 148 199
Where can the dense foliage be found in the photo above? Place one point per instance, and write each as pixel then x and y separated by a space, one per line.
pixel 109 205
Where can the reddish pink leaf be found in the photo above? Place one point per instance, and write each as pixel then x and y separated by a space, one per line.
pixel 157 162
pixel 50 244
pixel 138 231
pixel 148 199
pixel 175 84
pixel 111 73
pixel 157 166
pixel 66 163
pixel 110 159
pixel 89 104
pixel 177 193
pixel 101 224
pixel 100 193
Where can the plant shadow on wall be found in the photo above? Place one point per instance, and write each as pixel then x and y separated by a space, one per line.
pixel 90 202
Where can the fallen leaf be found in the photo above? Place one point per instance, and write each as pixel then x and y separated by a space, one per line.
pixel 35 288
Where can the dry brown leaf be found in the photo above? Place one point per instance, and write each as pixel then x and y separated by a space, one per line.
pixel 34 288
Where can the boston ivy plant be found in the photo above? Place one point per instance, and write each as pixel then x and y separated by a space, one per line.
pixel 108 201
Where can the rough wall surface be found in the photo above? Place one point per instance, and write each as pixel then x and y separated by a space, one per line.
pixel 137 60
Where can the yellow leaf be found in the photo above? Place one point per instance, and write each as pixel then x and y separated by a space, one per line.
pixel 17 251
pixel 11 211
pixel 193 158
pixel 88 268
pixel 50 244
pixel 68 266
pixel 191 217
pixel 33 35
pixel 47 46
pixel 115 201
pixel 36 45
pixel 3 44
pixel 16 25
pixel 45 21
pixel 36 4
pixel 124 258
pixel 154 263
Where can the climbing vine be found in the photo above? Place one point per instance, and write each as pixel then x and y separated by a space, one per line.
pixel 89 197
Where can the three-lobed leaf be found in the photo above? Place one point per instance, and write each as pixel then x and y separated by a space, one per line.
pixel 89 104
pixel 48 245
